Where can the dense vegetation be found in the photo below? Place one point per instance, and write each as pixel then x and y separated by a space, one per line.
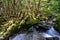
pixel 15 13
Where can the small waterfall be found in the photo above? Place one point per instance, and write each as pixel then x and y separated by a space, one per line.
pixel 53 32
pixel 45 35
pixel 50 33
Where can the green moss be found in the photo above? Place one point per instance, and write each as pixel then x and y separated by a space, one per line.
pixel 57 26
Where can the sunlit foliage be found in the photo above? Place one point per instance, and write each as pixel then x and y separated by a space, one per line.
pixel 14 13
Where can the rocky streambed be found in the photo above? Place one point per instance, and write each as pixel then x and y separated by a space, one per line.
pixel 50 34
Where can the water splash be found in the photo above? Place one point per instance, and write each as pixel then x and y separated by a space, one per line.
pixel 50 33
pixel 45 35
pixel 53 32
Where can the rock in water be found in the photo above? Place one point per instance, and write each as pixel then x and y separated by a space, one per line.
pixel 34 37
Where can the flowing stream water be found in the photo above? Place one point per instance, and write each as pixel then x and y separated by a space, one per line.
pixel 51 33
pixel 37 36
pixel 34 35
